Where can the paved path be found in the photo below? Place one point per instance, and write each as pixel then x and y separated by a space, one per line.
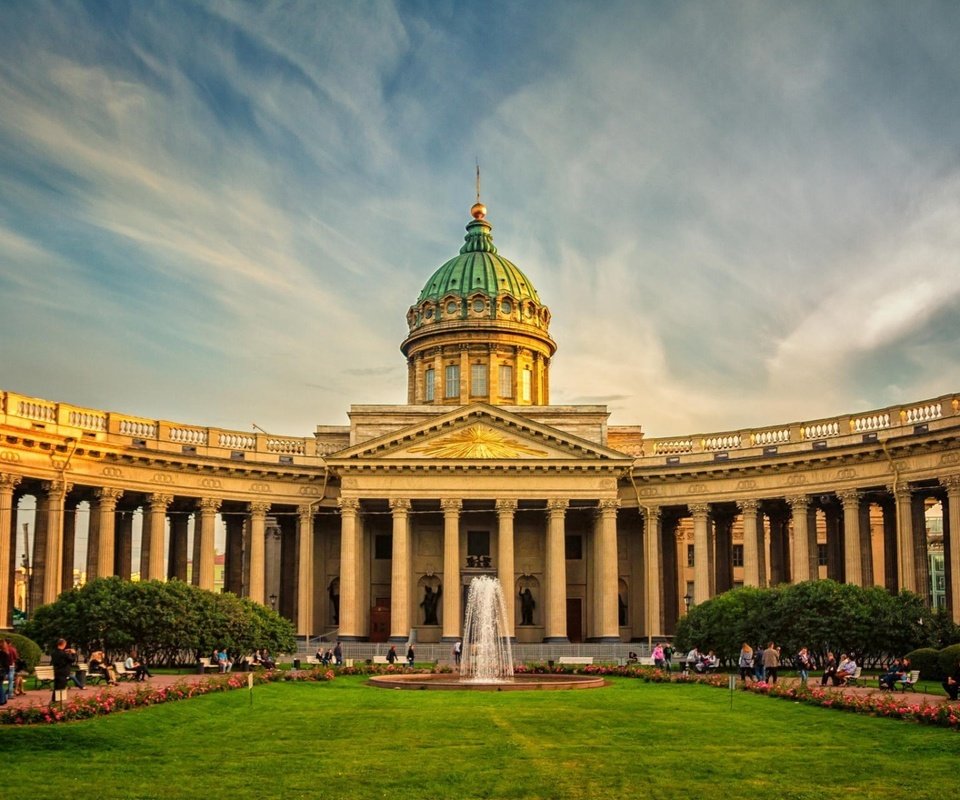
pixel 37 697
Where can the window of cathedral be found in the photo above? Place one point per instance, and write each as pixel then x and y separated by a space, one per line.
pixel 526 385
pixel 451 381
pixel 506 380
pixel 429 385
pixel 478 380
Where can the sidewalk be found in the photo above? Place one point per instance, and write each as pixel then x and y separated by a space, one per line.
pixel 41 697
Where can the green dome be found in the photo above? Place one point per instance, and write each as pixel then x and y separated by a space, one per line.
pixel 478 268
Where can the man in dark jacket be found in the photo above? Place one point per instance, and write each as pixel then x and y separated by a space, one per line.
pixel 62 662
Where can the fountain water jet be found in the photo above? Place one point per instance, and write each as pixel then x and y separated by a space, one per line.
pixel 487 657
pixel 487 660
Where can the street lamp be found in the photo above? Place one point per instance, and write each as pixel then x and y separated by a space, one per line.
pixel 687 600
pixel 273 602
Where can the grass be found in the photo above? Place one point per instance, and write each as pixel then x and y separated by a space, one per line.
pixel 346 740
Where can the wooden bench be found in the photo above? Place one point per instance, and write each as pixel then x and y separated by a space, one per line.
pixel 575 660
pixel 856 679
pixel 909 682
pixel 42 676
pixel 381 660
pixel 123 674
pixel 89 677
pixel 208 665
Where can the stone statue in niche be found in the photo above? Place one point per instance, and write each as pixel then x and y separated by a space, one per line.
pixel 527 604
pixel 429 605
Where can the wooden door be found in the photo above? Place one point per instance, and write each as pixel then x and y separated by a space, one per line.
pixel 574 619
pixel 380 622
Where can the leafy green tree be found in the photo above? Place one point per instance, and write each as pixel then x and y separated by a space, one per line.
pixel 868 623
pixel 167 622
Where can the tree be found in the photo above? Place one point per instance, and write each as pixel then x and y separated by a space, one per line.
pixel 168 622
pixel 868 623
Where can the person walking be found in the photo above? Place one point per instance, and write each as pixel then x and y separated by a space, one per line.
pixel 771 662
pixel 410 656
pixel 746 662
pixel 457 652
pixel 61 660
pixel 804 665
pixel 392 655
pixel 338 653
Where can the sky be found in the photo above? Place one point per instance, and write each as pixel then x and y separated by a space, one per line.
pixel 740 214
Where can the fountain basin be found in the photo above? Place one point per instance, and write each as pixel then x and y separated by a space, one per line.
pixel 520 683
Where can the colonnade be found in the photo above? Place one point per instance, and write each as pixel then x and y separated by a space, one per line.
pixel 778 536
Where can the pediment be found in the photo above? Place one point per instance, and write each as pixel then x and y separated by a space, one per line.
pixel 479 433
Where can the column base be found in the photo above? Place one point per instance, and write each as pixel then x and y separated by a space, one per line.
pixel 399 639
pixel 350 637
pixel 604 640
pixel 556 640
pixel 450 639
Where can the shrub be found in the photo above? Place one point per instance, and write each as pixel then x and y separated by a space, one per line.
pixel 27 649
pixel 927 660
pixel 948 659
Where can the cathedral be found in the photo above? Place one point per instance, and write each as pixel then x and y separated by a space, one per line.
pixel 372 531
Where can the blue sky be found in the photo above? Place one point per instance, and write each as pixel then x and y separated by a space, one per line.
pixel 740 214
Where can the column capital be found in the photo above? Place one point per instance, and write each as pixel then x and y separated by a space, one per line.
pixel 951 483
pixel 748 507
pixel 799 502
pixel 558 506
pixel 56 488
pixel 651 513
pixel 451 505
pixel 305 512
pixel 400 505
pixel 9 481
pixel 108 497
pixel 699 509
pixel 506 507
pixel 849 497
pixel 608 504
pixel 159 502
pixel 209 505
pixel 901 491
pixel 259 508
pixel 348 505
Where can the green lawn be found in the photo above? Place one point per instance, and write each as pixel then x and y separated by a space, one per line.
pixel 344 740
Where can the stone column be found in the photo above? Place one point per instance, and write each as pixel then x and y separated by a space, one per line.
pixel 701 553
pixel 123 546
pixel 305 571
pixel 651 566
pixel 400 571
pixel 8 483
pixel 607 614
pixel 68 547
pixel 852 557
pixel 177 555
pixel 451 568
pixel 208 522
pixel 751 543
pixel 101 563
pixel 258 533
pixel 556 573
pixel 56 496
pixel 153 546
pixel 349 555
pixel 506 571
pixel 464 375
pixel 952 530
pixel 800 557
pixel 907 573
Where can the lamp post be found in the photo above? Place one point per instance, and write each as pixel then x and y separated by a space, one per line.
pixel 273 602
pixel 687 600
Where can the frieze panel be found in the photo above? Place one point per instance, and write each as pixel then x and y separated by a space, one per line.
pixel 211 483
pixel 744 486
pixel 260 488
pixel 796 480
pixel 648 492
pixel 310 491
pixel 949 459
pixel 9 456
pixel 697 488
pixel 112 472
pixel 846 474
pixel 163 477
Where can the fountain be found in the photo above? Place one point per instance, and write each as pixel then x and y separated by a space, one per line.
pixel 487 660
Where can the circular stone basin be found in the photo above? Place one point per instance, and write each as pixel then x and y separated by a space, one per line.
pixel 520 683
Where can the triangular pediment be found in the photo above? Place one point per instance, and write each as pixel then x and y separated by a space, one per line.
pixel 478 433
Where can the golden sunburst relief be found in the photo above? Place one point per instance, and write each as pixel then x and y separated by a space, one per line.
pixel 477 441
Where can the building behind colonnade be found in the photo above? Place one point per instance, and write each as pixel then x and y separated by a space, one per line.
pixel 373 530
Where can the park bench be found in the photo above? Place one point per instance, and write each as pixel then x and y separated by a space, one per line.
pixel 206 664
pixel 123 674
pixel 910 681
pixel 89 677
pixel 42 676
pixel 575 660
pixel 856 679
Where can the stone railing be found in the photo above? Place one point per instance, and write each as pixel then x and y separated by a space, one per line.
pixel 816 433
pixel 126 431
